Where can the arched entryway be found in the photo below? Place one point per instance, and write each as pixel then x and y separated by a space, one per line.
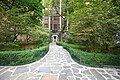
pixel 54 38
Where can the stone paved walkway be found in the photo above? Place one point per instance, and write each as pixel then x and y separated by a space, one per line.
pixel 57 65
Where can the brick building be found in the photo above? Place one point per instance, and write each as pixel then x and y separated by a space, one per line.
pixel 54 22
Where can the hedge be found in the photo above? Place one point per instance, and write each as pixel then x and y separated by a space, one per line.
pixel 13 58
pixel 92 59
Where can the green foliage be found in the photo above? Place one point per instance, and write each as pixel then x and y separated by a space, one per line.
pixel 22 57
pixel 94 24
pixel 41 35
pixel 92 59
pixel 22 18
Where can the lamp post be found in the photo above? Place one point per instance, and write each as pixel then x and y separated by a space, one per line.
pixel 118 38
pixel 64 35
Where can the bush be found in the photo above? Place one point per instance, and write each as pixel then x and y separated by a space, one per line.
pixel 12 58
pixel 92 59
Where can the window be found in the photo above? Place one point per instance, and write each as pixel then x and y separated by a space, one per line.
pixel 55 26
pixel 56 17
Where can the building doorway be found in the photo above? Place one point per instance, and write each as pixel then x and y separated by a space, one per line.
pixel 54 38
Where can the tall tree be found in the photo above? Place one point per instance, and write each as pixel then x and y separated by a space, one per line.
pixel 17 17
pixel 94 23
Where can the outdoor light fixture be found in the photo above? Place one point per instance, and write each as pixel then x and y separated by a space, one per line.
pixel 65 35
pixel 118 38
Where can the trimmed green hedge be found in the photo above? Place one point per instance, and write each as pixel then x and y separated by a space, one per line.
pixel 92 59
pixel 12 58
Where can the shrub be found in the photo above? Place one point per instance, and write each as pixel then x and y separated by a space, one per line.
pixel 21 57
pixel 92 59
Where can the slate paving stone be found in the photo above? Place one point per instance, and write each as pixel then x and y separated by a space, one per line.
pixel 34 78
pixel 91 77
pixel 46 65
pixel 64 61
pixel 56 68
pixel 60 56
pixel 97 75
pixel 32 74
pixel 32 69
pixel 102 71
pixel 1 67
pixel 66 66
pixel 4 69
pixel 69 60
pixel 36 64
pixel 63 76
pixel 78 75
pixel 12 68
pixel 54 72
pixel 106 75
pixel 23 77
pixel 75 70
pixel 117 77
pixel 84 79
pixel 68 72
pixel 21 69
pixel 77 78
pixel 76 66
pixel 51 61
pixel 110 72
pixel 71 78
pixel 43 60
pixel 87 72
pixel 5 75
pixel 13 77
pixel 44 69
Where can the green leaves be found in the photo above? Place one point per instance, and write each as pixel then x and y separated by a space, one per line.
pixel 94 23
pixel 22 18
pixel 10 58
pixel 91 59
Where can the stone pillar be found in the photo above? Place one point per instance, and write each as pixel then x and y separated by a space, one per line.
pixel 60 14
pixel 49 21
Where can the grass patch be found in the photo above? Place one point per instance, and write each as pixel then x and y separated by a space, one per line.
pixel 92 59
pixel 13 58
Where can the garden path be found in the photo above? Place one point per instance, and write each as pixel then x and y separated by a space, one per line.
pixel 57 65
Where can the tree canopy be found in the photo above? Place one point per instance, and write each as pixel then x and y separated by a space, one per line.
pixel 94 24
pixel 21 17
